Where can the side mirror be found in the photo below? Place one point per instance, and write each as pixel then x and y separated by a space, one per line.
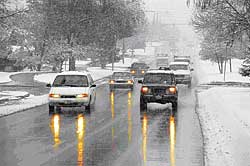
pixel 93 86
pixel 192 69
pixel 48 85
pixel 140 81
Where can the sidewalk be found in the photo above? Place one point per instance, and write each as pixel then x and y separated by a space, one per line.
pixel 223 111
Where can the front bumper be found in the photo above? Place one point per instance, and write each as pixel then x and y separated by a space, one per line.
pixel 69 102
pixel 183 80
pixel 163 99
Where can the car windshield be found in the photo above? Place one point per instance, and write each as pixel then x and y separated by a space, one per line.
pixel 139 65
pixel 121 75
pixel 178 67
pixel 182 60
pixel 158 78
pixel 71 80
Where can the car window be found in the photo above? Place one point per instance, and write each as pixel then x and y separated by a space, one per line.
pixel 90 79
pixel 178 67
pixel 182 60
pixel 121 74
pixel 139 65
pixel 158 78
pixel 71 80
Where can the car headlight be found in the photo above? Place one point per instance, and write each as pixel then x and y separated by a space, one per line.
pixel 52 95
pixel 130 82
pixel 172 90
pixel 82 95
pixel 111 81
pixel 142 71
pixel 132 71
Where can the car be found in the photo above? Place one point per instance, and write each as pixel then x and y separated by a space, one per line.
pixel 121 80
pixel 72 89
pixel 183 59
pixel 158 86
pixel 138 69
pixel 182 72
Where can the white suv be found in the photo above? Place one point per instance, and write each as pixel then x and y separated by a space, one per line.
pixel 72 89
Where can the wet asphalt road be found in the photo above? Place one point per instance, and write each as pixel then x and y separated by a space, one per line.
pixel 114 133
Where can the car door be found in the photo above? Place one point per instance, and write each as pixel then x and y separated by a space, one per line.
pixel 92 89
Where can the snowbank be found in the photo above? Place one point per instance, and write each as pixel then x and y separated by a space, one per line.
pixel 208 72
pixel 12 95
pixel 23 104
pixel 224 115
pixel 225 119
pixel 5 77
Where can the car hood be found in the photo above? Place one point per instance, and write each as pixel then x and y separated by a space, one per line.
pixel 69 90
pixel 181 72
pixel 157 85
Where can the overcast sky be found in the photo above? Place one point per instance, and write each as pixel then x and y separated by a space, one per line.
pixel 177 10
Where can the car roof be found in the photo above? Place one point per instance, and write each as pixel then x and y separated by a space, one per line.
pixel 84 73
pixel 160 71
pixel 179 63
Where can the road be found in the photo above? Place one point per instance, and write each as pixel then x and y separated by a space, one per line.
pixel 114 133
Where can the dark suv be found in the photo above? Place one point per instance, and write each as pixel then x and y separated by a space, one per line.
pixel 158 86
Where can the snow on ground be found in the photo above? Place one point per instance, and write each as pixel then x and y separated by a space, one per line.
pixel 96 72
pixel 208 72
pixel 5 76
pixel 224 116
pixel 127 62
pixel 23 104
pixel 225 119
pixel 11 95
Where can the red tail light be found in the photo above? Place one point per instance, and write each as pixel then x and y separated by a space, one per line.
pixel 144 89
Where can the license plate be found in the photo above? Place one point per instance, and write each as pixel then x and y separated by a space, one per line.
pixel 158 97
pixel 67 102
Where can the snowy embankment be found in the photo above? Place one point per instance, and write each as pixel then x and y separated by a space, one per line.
pixel 224 116
pixel 5 77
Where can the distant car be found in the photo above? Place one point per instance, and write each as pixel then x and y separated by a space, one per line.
pixel 182 72
pixel 121 80
pixel 158 86
pixel 138 69
pixel 182 59
pixel 72 89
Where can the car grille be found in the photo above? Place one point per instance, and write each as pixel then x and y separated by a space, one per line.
pixel 68 96
pixel 179 76
pixel 121 81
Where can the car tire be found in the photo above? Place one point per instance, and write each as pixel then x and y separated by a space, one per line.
pixel 58 109
pixel 132 88
pixel 111 89
pixel 51 109
pixel 174 106
pixel 89 106
pixel 189 84
pixel 143 105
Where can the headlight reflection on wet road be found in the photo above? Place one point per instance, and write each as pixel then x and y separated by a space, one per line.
pixel 129 116
pixel 55 129
pixel 144 137
pixel 172 138
pixel 80 131
pixel 112 106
